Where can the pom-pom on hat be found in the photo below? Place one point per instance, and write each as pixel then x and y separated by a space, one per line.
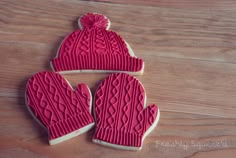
pixel 91 20
pixel 94 48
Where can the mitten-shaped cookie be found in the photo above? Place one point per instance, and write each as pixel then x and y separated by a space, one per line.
pixel 122 119
pixel 64 112
pixel 95 48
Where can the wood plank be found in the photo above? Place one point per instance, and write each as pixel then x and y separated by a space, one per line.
pixel 178 85
pixel 196 34
pixel 183 4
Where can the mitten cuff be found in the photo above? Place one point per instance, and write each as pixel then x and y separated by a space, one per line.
pixel 69 125
pixel 118 137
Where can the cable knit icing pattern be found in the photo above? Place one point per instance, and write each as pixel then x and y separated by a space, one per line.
pixel 121 118
pixel 95 48
pixel 56 105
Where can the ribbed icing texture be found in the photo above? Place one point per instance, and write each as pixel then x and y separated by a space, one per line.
pixel 98 62
pixel 121 118
pixel 59 108
pixel 95 48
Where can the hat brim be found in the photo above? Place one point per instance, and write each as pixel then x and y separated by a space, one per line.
pixel 98 63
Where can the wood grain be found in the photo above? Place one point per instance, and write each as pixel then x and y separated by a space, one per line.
pixel 190 72
pixel 202 4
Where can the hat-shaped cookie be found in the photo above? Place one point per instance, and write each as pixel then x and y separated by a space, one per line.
pixel 122 118
pixel 94 48
pixel 63 111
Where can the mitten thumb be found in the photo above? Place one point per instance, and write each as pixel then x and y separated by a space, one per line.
pixel 83 92
pixel 151 115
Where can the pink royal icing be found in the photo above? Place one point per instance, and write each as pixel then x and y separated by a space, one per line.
pixel 121 118
pixel 91 20
pixel 95 48
pixel 56 105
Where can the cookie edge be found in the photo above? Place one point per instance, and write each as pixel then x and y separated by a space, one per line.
pixel 122 147
pixel 71 134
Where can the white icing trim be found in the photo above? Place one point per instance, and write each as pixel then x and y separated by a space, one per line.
pixel 51 65
pixel 97 141
pixel 131 52
pixel 67 136
pixel 91 100
pixel 122 147
pixel 79 23
pixel 71 135
pixel 100 71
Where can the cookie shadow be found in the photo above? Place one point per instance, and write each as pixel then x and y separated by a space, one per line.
pixel 89 134
pixel 36 128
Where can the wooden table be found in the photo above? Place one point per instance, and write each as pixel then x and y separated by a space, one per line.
pixel 189 48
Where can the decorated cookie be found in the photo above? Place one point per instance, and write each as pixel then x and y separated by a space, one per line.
pixel 63 111
pixel 94 48
pixel 121 116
